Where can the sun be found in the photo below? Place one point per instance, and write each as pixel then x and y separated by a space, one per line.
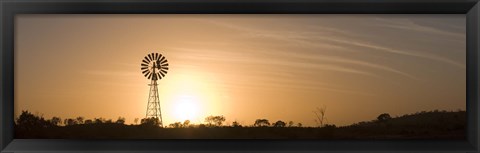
pixel 186 108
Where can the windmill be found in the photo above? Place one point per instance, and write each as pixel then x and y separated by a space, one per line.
pixel 154 67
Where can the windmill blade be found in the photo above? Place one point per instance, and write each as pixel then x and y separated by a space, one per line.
pixel 156 56
pixel 159 76
pixel 144 65
pixel 164 71
pixel 146 59
pixel 150 75
pixel 146 74
pixel 144 62
pixel 165 61
pixel 143 68
pixel 163 75
pixel 163 58
pixel 165 65
pixel 166 68
pixel 153 56
pixel 160 56
pixel 150 57
pixel 145 71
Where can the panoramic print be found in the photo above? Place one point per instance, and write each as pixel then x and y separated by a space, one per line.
pixel 171 76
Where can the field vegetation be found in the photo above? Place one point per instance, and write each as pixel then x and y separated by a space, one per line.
pixel 421 125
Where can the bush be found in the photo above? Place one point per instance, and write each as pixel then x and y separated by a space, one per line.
pixel 150 122
pixel 383 117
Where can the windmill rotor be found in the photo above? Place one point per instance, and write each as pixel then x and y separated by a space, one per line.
pixel 154 66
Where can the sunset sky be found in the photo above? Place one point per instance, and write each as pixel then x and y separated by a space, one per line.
pixel 244 67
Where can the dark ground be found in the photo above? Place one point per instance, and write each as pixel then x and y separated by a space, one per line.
pixel 424 125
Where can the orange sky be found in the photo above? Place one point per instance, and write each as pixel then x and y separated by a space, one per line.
pixel 245 67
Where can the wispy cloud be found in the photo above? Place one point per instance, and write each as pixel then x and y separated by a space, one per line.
pixel 326 39
pixel 299 88
pixel 408 24
pixel 113 73
pixel 271 73
pixel 233 57
pixel 344 60
pixel 402 52
pixel 278 84
pixel 303 38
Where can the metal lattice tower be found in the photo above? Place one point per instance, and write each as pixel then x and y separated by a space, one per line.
pixel 154 67
pixel 153 105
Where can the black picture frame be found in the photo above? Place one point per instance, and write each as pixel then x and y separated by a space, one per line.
pixel 10 8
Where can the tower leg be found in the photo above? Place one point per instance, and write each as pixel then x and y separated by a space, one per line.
pixel 153 105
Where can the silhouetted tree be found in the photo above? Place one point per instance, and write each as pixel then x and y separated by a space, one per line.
pixel 150 121
pixel 135 120
pixel 120 120
pixel 88 122
pixel 261 122
pixel 109 121
pixel 186 123
pixel 176 125
pixel 70 122
pixel 27 121
pixel 100 120
pixel 291 124
pixel 216 120
pixel 320 115
pixel 56 121
pixel 383 117
pixel 330 126
pixel 299 124
pixel 279 124
pixel 236 124
pixel 80 120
